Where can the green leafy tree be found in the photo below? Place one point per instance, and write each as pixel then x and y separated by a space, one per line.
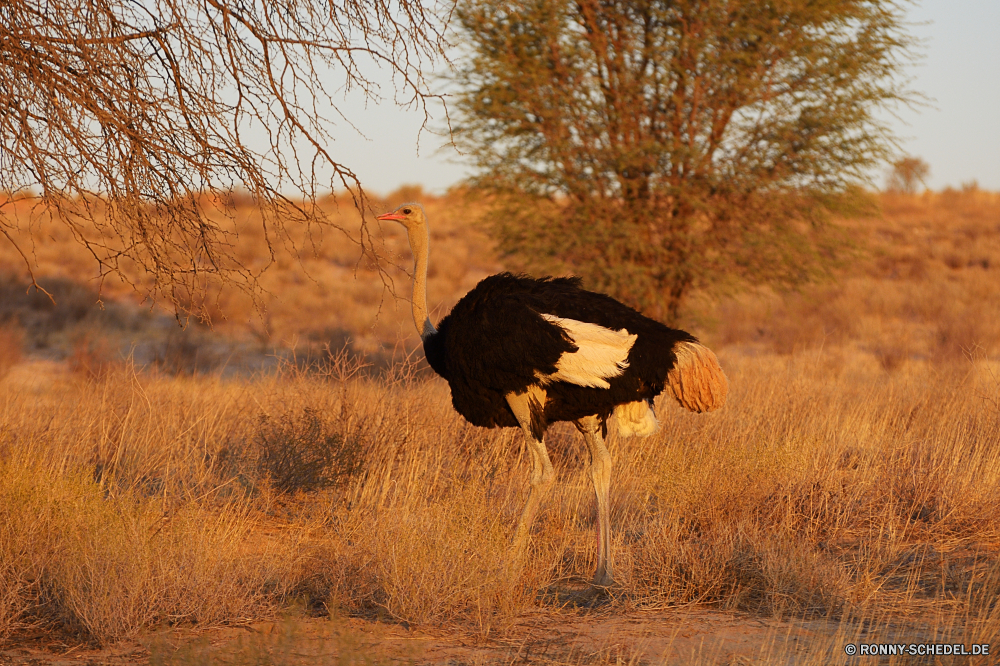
pixel 651 146
pixel 119 116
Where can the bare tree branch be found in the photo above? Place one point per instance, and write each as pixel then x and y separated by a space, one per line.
pixel 119 115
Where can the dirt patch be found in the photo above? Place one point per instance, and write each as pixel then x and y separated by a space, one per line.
pixel 585 637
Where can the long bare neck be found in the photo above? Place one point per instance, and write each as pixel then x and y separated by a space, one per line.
pixel 420 246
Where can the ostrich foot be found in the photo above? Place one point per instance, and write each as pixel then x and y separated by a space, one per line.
pixel 602 578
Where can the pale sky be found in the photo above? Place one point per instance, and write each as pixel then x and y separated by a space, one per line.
pixel 958 135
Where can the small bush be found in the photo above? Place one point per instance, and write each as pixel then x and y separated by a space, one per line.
pixel 294 453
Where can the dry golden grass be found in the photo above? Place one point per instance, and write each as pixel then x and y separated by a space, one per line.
pixel 923 286
pixel 824 489
pixel 853 475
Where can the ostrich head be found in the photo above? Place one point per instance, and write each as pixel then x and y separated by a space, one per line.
pixel 410 215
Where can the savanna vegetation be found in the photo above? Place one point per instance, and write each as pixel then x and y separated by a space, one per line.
pixel 852 477
pixel 297 458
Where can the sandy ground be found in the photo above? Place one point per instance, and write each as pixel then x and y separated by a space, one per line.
pixel 690 636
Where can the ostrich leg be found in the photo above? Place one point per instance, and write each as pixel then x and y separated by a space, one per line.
pixel 600 473
pixel 542 475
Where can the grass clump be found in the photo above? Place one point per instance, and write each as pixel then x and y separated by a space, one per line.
pixel 293 452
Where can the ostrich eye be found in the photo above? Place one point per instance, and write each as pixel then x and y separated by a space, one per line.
pixel 406 211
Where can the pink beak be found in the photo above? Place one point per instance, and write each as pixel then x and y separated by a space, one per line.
pixel 390 216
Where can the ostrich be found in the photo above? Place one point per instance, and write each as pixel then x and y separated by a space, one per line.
pixel 523 352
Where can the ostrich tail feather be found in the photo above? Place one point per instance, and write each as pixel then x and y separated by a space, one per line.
pixel 697 379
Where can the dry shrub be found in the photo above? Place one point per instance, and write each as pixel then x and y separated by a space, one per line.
pixel 68 303
pixel 775 518
pixel 922 288
pixel 18 558
pixel 293 452
pixel 963 335
pixel 853 472
pixel 221 570
pixel 925 289
pixel 403 194
pixel 980 621
pixel 315 281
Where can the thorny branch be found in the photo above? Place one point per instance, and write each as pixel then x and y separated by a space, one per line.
pixel 130 120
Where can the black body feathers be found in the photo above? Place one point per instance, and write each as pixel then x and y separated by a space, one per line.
pixel 495 342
